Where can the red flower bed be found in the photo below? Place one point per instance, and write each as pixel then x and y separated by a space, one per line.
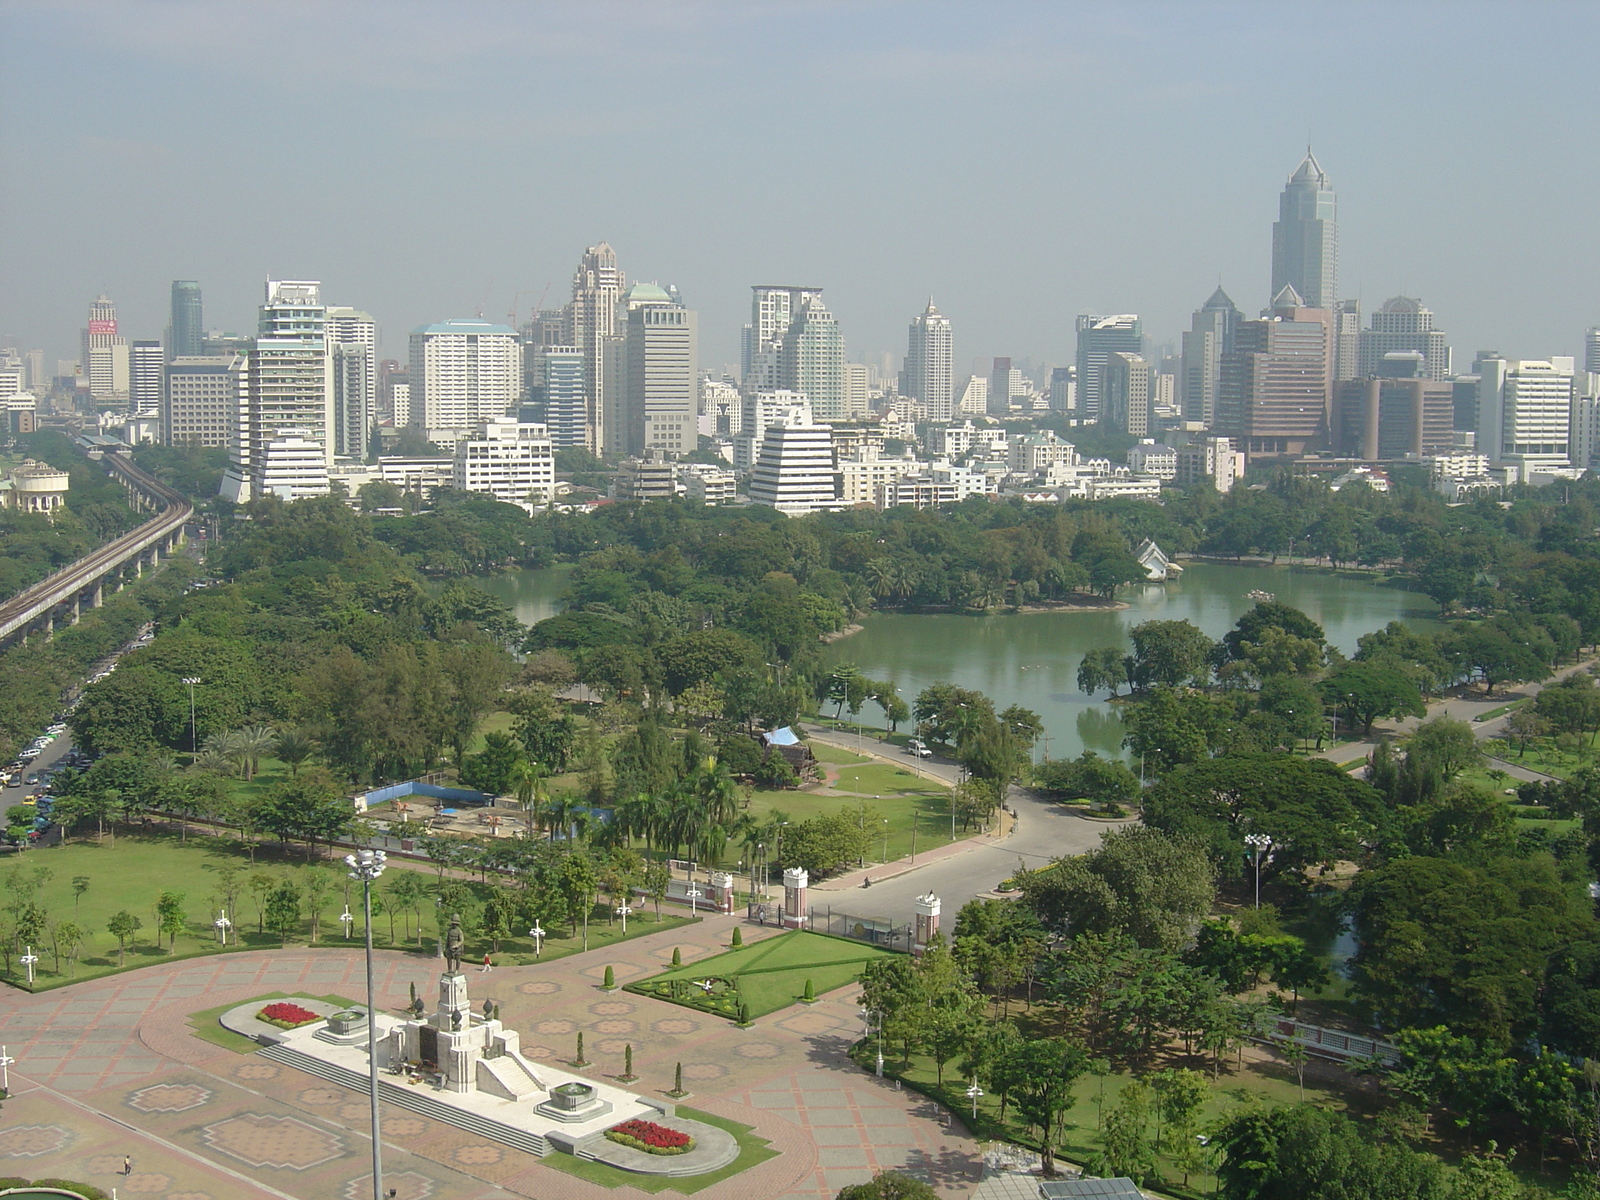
pixel 289 1016
pixel 650 1137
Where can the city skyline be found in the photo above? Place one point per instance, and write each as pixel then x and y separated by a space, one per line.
pixel 1126 239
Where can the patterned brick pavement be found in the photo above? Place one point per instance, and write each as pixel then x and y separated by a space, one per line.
pixel 111 1067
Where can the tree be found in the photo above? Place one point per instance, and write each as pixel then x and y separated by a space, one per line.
pixel 1446 745
pixel 1140 881
pixel 283 912
pixel 1296 703
pixel 1088 777
pixel 547 732
pixel 318 883
pixel 249 745
pixel 889 1185
pixel 1100 668
pixel 311 806
pixel 1180 1094
pixel 1125 1141
pixel 1302 1152
pixel 123 925
pixel 80 885
pixel 1367 692
pixel 170 917
pixel 492 770
pixel 1043 1072
pixel 1171 652
pixel 1267 614
pixel 1494 656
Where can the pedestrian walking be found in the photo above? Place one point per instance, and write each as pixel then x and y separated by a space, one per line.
pixel 127 1164
pixel 487 966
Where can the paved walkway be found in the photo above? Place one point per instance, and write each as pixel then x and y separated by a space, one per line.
pixel 111 1067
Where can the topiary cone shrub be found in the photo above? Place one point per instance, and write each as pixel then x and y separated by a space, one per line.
pixel 738 937
pixel 811 993
pixel 677 956
pixel 610 983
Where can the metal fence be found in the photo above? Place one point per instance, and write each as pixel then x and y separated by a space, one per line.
pixel 1331 1043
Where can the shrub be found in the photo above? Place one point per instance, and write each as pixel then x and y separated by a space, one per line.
pixel 650 1137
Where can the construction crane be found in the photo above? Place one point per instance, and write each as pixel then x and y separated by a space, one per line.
pixel 512 315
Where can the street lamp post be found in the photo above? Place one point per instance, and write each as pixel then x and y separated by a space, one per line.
pixel 973 1093
pixel 367 865
pixel 538 935
pixel 347 919
pixel 193 742
pixel 694 894
pixel 223 925
pixel 885 838
pixel 914 816
pixel 623 910
pixel 872 1022
pixel 5 1071
pixel 1259 844
pixel 27 960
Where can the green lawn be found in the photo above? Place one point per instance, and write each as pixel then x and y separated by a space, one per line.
pixel 1544 756
pixel 208 1027
pixel 770 975
pixel 752 1150
pixel 131 870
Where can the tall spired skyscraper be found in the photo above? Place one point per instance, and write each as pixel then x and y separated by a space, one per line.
pixel 928 376
pixel 1305 237
pixel 592 328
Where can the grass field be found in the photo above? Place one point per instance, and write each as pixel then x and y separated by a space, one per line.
pixel 772 974
pixel 1544 756
pixel 131 871
pixel 752 1150
pixel 207 1023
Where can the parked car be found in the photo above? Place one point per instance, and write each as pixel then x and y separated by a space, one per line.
pixel 915 746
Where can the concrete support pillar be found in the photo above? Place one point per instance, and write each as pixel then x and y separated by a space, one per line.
pixel 721 891
pixel 795 881
pixel 97 595
pixel 927 922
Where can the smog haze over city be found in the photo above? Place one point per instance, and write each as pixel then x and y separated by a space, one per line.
pixel 1021 163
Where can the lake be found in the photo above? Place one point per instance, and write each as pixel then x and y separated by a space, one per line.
pixel 1032 659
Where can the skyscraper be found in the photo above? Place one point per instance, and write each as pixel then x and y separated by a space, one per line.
pixel 558 388
pixel 811 359
pixel 146 366
pixel 1275 388
pixel 353 345
pixel 592 328
pixel 1591 351
pixel 1210 336
pixel 1305 238
pixel 1099 338
pixel 286 411
pixel 1347 339
pixel 1525 412
pixel 773 309
pixel 662 374
pixel 929 377
pixel 464 372
pixel 794 472
pixel 1126 405
pixel 1402 324
pixel 201 407
pixel 187 329
pixel 105 354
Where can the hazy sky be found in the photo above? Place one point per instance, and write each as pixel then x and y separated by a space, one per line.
pixel 1020 162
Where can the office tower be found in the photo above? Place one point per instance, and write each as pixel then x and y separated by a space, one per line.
pixel 1583 440
pixel 13 375
pixel 721 408
pixel 1061 389
pixel 591 326
pixel 794 472
pixel 105 354
pixel 1305 238
pixel 662 388
pixel 147 363
pixel 1007 386
pixel 1126 403
pixel 1274 391
pixel 353 345
pixel 928 375
pixel 560 389
pixel 773 309
pixel 286 406
pixel 544 328
pixel 974 397
pixel 811 359
pixel 186 330
pixel 400 402
pixel 1591 352
pixel 201 407
pixel 464 371
pixel 390 372
pixel 1402 324
pixel 1347 333
pixel 1210 336
pixel 1395 412
pixel 511 460
pixel 1525 412
pixel 762 409
pixel 857 390
pixel 1099 338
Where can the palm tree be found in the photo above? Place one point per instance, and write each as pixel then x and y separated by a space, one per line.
pixel 527 781
pixel 719 791
pixel 294 747
pixel 250 744
pixel 213 760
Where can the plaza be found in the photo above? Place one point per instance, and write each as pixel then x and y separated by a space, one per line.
pixel 113 1067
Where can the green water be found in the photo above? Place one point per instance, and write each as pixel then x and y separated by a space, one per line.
pixel 1032 658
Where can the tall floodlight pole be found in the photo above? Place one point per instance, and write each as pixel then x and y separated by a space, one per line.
pixel 5 1071
pixel 194 747
pixel 1259 844
pixel 367 865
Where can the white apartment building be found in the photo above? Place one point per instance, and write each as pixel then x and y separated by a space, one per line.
pixel 721 411
pixel 974 398
pixel 400 402
pixel 794 472
pixel 761 408
pixel 104 355
pixel 147 363
pixel 1458 466
pixel 464 372
pixel 418 475
pixel 1122 487
pixel 1039 452
pixel 291 466
pixel 510 460
pixel 1211 458
pixel 706 484
pixel 353 345
pixel 917 491
pixel 1525 412
pixel 203 397
pixel 1584 444
pixel 1150 457
pixel 862 479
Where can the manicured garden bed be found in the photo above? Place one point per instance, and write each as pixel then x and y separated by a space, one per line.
pixel 286 1014
pixel 650 1137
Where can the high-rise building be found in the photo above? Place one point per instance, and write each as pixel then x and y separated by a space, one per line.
pixel 1404 325
pixel 1591 352
pixel 591 326
pixel 353 345
pixel 464 372
pixel 794 472
pixel 105 355
pixel 929 371
pixel 1395 412
pixel 287 400
pixel 1062 384
pixel 1006 387
pixel 1275 387
pixel 1126 403
pixel 1210 336
pixel 1305 238
pixel 147 363
pixel 559 390
pixel 202 401
pixel 773 309
pixel 662 374
pixel 1212 458
pixel 1347 333
pixel 1525 412
pixel 186 330
pixel 510 460
pixel 811 359
pixel 761 409
pixel 1098 338
pixel 857 390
